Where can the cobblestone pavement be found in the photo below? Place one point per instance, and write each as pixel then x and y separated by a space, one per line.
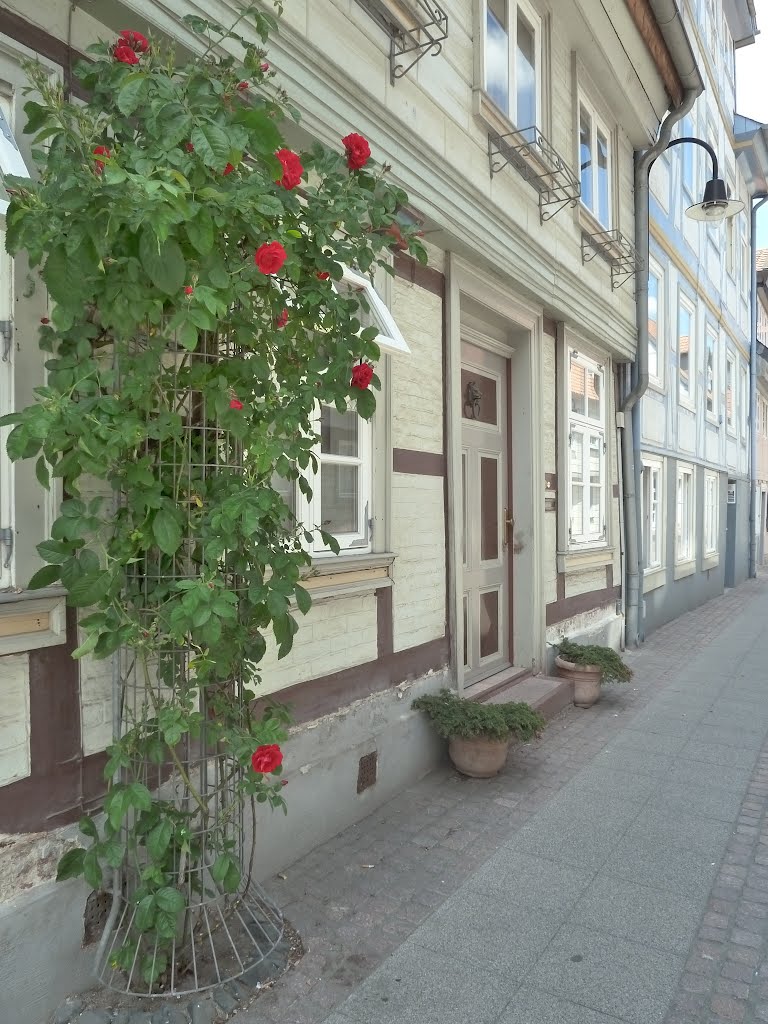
pixel 616 871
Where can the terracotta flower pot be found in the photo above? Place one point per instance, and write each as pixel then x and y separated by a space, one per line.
pixel 479 757
pixel 585 679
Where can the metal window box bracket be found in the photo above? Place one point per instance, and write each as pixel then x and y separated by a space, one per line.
pixel 539 163
pixel 415 28
pixel 616 249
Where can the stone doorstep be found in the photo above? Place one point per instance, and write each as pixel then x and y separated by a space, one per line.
pixel 545 695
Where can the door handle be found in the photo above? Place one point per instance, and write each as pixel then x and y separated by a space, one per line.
pixel 509 524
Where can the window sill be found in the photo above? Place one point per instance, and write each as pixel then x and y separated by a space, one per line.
pixel 683 569
pixel 492 116
pixel 710 561
pixel 346 575
pixel 656 385
pixel 30 620
pixel 654 578
pixel 582 561
pixel 588 222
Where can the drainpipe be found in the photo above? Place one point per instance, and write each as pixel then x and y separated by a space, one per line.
pixel 638 379
pixel 754 207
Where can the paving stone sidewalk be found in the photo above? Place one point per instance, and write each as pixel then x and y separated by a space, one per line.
pixel 616 871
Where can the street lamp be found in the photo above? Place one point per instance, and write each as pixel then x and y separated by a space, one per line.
pixel 716 206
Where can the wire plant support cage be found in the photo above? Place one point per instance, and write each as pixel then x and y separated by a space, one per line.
pixel 214 931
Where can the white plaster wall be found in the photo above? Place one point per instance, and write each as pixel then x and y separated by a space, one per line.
pixel 417 379
pixel 14 719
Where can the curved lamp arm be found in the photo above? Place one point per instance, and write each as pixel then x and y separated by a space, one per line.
pixel 704 145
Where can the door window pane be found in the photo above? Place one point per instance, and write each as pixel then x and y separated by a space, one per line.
pixel 489 623
pixel 497 54
pixel 593 395
pixel 339 498
pixel 595 484
pixel 525 70
pixel 478 397
pixel 489 509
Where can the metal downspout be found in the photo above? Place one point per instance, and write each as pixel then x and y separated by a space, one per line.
pixel 639 374
pixel 754 207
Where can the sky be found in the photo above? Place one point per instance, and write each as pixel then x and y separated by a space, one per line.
pixel 752 91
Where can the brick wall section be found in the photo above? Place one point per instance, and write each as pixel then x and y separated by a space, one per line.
pixel 14 719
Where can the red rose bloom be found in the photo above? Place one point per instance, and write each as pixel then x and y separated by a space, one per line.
pixel 264 68
pixel 292 169
pixel 269 257
pixel 188 290
pixel 266 758
pixel 189 147
pixel 135 40
pixel 124 54
pixel 362 375
pixel 322 275
pixel 282 320
pixel 101 151
pixel 358 151
pixel 228 169
pixel 236 404
pixel 242 86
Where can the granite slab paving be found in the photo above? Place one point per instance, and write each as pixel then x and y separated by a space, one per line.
pixel 616 871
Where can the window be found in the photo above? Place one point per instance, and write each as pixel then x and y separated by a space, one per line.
pixel 587 448
pixel 711 510
pixel 685 523
pixel 685 353
pixel 652 506
pixel 730 392
pixel 655 325
pixel 513 60
pixel 711 370
pixel 744 400
pixel 595 164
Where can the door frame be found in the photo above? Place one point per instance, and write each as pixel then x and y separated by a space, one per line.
pixel 524 405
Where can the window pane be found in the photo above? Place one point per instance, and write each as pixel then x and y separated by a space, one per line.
pixel 593 395
pixel 653 325
pixel 489 623
pixel 585 158
pixel 286 490
pixel 578 389
pixel 684 344
pixel 525 70
pixel 603 182
pixel 729 391
pixel 577 484
pixel 489 509
pixel 497 54
pixel 338 432
pixel 710 373
pixel 339 498
pixel 596 488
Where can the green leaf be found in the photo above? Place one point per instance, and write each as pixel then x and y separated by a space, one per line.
pixel 92 869
pixel 113 852
pixel 303 600
pixel 117 803
pixel 145 913
pixel 44 577
pixel 268 205
pixel 86 646
pixel 89 589
pixel 163 262
pixel 159 839
pixel 53 551
pixel 232 877
pixel 167 532
pixel 211 145
pixel 200 232
pixel 70 865
pixel 129 94
pixel 139 796
pixel 264 134
pixel 42 474
pixel 88 827
pixel 220 868
pixel 170 900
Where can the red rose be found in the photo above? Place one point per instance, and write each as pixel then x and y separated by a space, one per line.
pixel 236 404
pixel 292 169
pixel 124 54
pixel 101 151
pixel 358 151
pixel 322 275
pixel 362 375
pixel 189 147
pixel 228 169
pixel 135 40
pixel 44 320
pixel 282 320
pixel 242 86
pixel 269 257
pixel 264 68
pixel 188 290
pixel 266 758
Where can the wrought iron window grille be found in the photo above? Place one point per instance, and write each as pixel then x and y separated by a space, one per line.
pixel 415 28
pixel 616 249
pixel 538 162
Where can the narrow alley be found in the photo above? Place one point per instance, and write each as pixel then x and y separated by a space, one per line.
pixel 616 871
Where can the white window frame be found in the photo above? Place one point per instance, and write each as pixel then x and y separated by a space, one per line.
pixel 531 15
pixel 657 272
pixel 730 378
pixel 744 402
pixel 711 513
pixel 653 513
pixel 685 517
pixel 586 425
pixel 710 335
pixel 390 339
pixel 688 400
pixel 598 125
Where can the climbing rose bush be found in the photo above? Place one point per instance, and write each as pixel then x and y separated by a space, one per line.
pixel 190 256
